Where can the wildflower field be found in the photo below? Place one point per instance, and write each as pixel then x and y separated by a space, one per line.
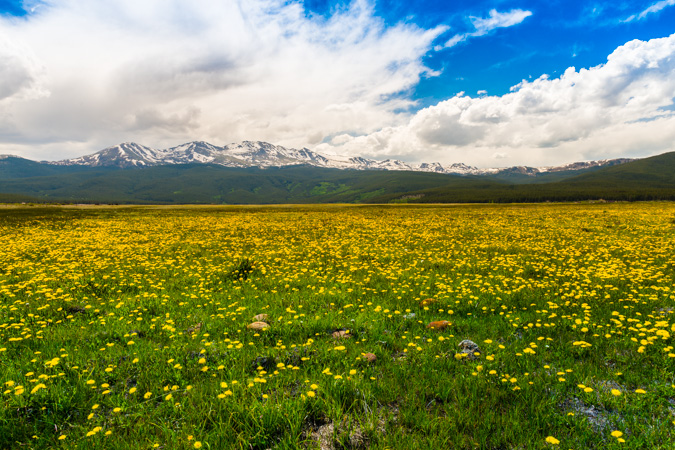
pixel 338 327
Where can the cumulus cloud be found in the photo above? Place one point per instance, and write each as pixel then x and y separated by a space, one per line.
pixel 77 75
pixel 484 25
pixel 622 107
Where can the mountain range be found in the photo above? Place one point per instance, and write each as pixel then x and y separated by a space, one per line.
pixel 263 154
pixel 261 173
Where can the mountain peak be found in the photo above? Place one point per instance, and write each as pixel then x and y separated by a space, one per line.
pixel 263 154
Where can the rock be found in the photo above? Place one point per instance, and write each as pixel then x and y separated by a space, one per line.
pixel 470 348
pixel 258 326
pixel 266 362
pixel 341 334
pixel 439 325
pixel 261 318
pixel 194 328
pixel 427 301
pixel 370 357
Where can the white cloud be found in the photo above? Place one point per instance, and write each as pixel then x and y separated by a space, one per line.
pixel 623 107
pixel 77 75
pixel 654 8
pixel 20 74
pixel 485 25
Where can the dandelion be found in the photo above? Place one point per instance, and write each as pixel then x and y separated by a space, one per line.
pixel 616 392
pixel 552 440
pixel 617 433
pixel 198 444
pixel 310 394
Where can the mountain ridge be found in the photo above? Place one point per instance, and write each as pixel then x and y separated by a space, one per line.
pixel 22 180
pixel 263 155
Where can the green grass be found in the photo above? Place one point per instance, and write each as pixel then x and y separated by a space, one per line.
pixel 104 305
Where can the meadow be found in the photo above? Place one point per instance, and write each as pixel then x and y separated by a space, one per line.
pixel 130 327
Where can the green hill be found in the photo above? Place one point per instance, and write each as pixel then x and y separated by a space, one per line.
pixel 645 179
pixel 13 167
pixel 199 183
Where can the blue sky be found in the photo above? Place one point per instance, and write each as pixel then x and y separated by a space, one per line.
pixel 421 81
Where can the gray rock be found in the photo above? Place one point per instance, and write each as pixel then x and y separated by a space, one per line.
pixel 470 348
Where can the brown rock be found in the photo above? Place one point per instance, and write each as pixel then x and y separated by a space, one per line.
pixel 439 325
pixel 258 326
pixel 261 318
pixel 341 334
pixel 370 357
pixel 427 301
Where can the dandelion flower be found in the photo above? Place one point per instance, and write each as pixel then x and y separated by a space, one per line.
pixel 552 440
pixel 616 434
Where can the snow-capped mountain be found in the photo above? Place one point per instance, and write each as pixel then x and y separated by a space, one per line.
pixel 128 154
pixel 263 154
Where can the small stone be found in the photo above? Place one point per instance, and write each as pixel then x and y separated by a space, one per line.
pixel 427 301
pixel 341 334
pixel 370 357
pixel 258 326
pixel 267 363
pixel 470 348
pixel 261 318
pixel 194 328
pixel 439 325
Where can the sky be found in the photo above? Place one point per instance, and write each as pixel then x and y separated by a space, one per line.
pixel 490 83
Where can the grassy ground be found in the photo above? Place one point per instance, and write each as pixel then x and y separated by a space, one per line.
pixel 127 327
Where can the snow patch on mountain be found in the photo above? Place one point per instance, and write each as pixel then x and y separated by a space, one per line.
pixel 264 154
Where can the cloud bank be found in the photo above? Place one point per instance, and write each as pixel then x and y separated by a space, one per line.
pixel 77 75
pixel 622 107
